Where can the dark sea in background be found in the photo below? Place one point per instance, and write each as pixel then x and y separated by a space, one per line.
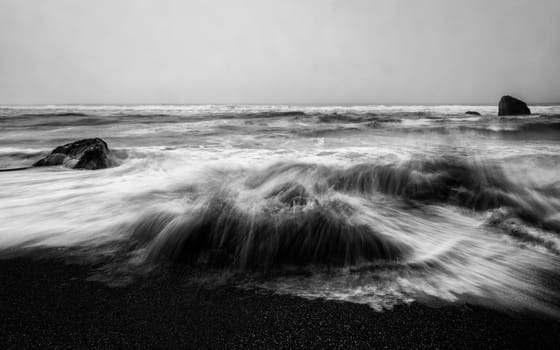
pixel 378 205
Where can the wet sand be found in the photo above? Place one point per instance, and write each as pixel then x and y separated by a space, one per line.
pixel 48 303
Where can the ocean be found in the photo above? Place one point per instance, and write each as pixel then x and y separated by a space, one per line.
pixel 379 205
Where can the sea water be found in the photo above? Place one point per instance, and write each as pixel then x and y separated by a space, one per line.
pixel 370 204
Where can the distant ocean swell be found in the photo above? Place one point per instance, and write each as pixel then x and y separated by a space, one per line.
pixel 374 118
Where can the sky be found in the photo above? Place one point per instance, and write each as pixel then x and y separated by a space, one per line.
pixel 278 51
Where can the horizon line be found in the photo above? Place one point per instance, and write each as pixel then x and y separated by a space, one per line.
pixel 16 105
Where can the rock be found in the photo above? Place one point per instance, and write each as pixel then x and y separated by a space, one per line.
pixel 512 106
pixel 472 113
pixel 83 154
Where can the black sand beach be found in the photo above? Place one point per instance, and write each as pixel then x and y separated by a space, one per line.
pixel 48 303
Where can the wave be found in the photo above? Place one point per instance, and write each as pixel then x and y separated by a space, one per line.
pixel 541 127
pixel 373 204
pixel 509 222
pixel 21 153
pixel 54 114
pixel 306 122
pixel 377 232
pixel 475 185
pixel 14 158
pixel 302 214
pixel 222 235
pixel 452 180
pixel 506 130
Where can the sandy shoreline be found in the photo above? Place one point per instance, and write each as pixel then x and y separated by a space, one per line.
pixel 49 304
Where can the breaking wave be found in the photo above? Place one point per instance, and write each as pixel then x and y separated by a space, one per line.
pixel 320 221
pixel 372 233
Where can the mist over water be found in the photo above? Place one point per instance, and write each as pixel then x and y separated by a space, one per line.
pixel 375 204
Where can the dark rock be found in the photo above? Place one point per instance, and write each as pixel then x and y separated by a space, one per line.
pixel 51 159
pixel 512 106
pixel 84 154
pixel 472 113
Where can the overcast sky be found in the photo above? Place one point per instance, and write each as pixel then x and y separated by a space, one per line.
pixel 278 51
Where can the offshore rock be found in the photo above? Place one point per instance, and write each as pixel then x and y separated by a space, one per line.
pixel 88 154
pixel 512 106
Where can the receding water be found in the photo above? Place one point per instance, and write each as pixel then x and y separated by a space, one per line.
pixel 377 205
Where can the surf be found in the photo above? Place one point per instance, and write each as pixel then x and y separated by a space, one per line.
pixel 371 205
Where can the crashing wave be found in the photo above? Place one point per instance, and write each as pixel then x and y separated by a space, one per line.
pixel 295 215
pixel 298 232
